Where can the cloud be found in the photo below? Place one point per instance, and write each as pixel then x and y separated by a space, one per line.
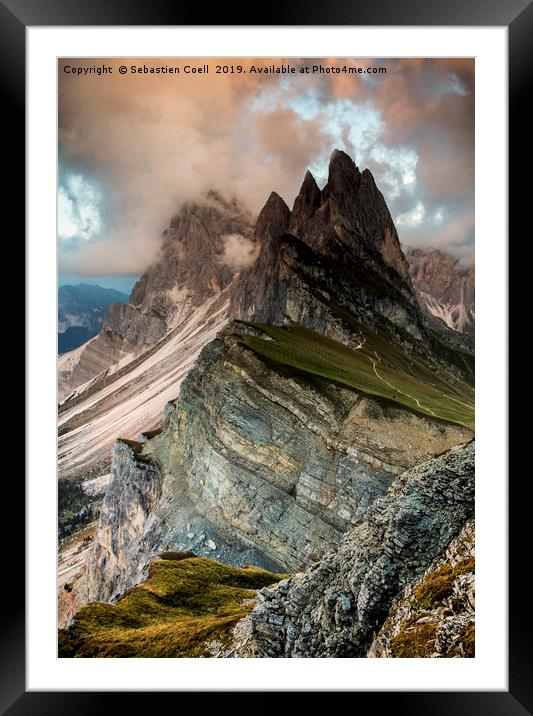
pixel 291 140
pixel 412 218
pixel 455 236
pixel 149 143
pixel 121 253
pixel 78 209
pixel 239 252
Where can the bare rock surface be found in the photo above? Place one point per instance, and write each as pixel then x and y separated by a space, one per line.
pixel 336 606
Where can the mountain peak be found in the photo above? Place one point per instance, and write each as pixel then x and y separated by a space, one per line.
pixel 344 176
pixel 305 204
pixel 340 161
pixel 190 261
pixel 273 219
pixel 275 200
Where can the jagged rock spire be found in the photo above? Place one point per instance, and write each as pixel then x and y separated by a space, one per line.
pixel 353 213
pixel 344 177
pixel 305 204
pixel 273 219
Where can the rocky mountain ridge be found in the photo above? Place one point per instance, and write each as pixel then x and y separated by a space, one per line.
pixel 445 289
pixel 338 246
pixel 81 310
pixel 264 455
pixel 337 605
pixel 401 584
pixel 189 272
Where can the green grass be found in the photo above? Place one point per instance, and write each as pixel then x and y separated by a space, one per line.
pixel 378 368
pixel 182 605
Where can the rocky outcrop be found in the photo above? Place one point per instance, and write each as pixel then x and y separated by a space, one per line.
pixel 305 205
pixel 435 616
pixel 336 606
pixel 353 215
pixel 445 288
pixel 337 251
pixel 257 457
pixel 127 528
pixel 133 326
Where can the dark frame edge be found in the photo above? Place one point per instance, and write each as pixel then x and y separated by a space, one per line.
pixel 520 64
pixel 519 700
pixel 12 92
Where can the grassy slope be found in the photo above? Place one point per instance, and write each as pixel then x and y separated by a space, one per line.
pixel 183 604
pixel 377 368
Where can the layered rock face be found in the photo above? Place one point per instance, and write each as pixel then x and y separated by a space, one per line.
pixel 445 289
pixel 189 272
pixel 335 607
pixel 258 458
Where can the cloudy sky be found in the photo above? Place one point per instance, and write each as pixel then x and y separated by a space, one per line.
pixel 133 148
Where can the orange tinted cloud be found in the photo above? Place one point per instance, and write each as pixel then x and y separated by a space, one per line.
pixel 153 142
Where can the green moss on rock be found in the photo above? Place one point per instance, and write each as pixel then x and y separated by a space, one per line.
pixel 414 641
pixel 466 643
pixel 438 585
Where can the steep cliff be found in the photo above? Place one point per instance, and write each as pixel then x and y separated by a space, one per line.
pixel 266 461
pixel 337 605
pixel 401 584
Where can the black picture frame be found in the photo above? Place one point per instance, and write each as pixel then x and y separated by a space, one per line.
pixel 517 15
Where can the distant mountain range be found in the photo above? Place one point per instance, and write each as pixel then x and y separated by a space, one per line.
pixel 445 288
pixel 81 311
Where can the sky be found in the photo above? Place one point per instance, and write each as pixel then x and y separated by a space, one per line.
pixel 134 147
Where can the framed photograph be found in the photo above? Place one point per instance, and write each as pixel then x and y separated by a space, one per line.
pixel 261 455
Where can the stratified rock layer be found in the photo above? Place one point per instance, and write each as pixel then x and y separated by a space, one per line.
pixel 334 608
pixel 260 458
